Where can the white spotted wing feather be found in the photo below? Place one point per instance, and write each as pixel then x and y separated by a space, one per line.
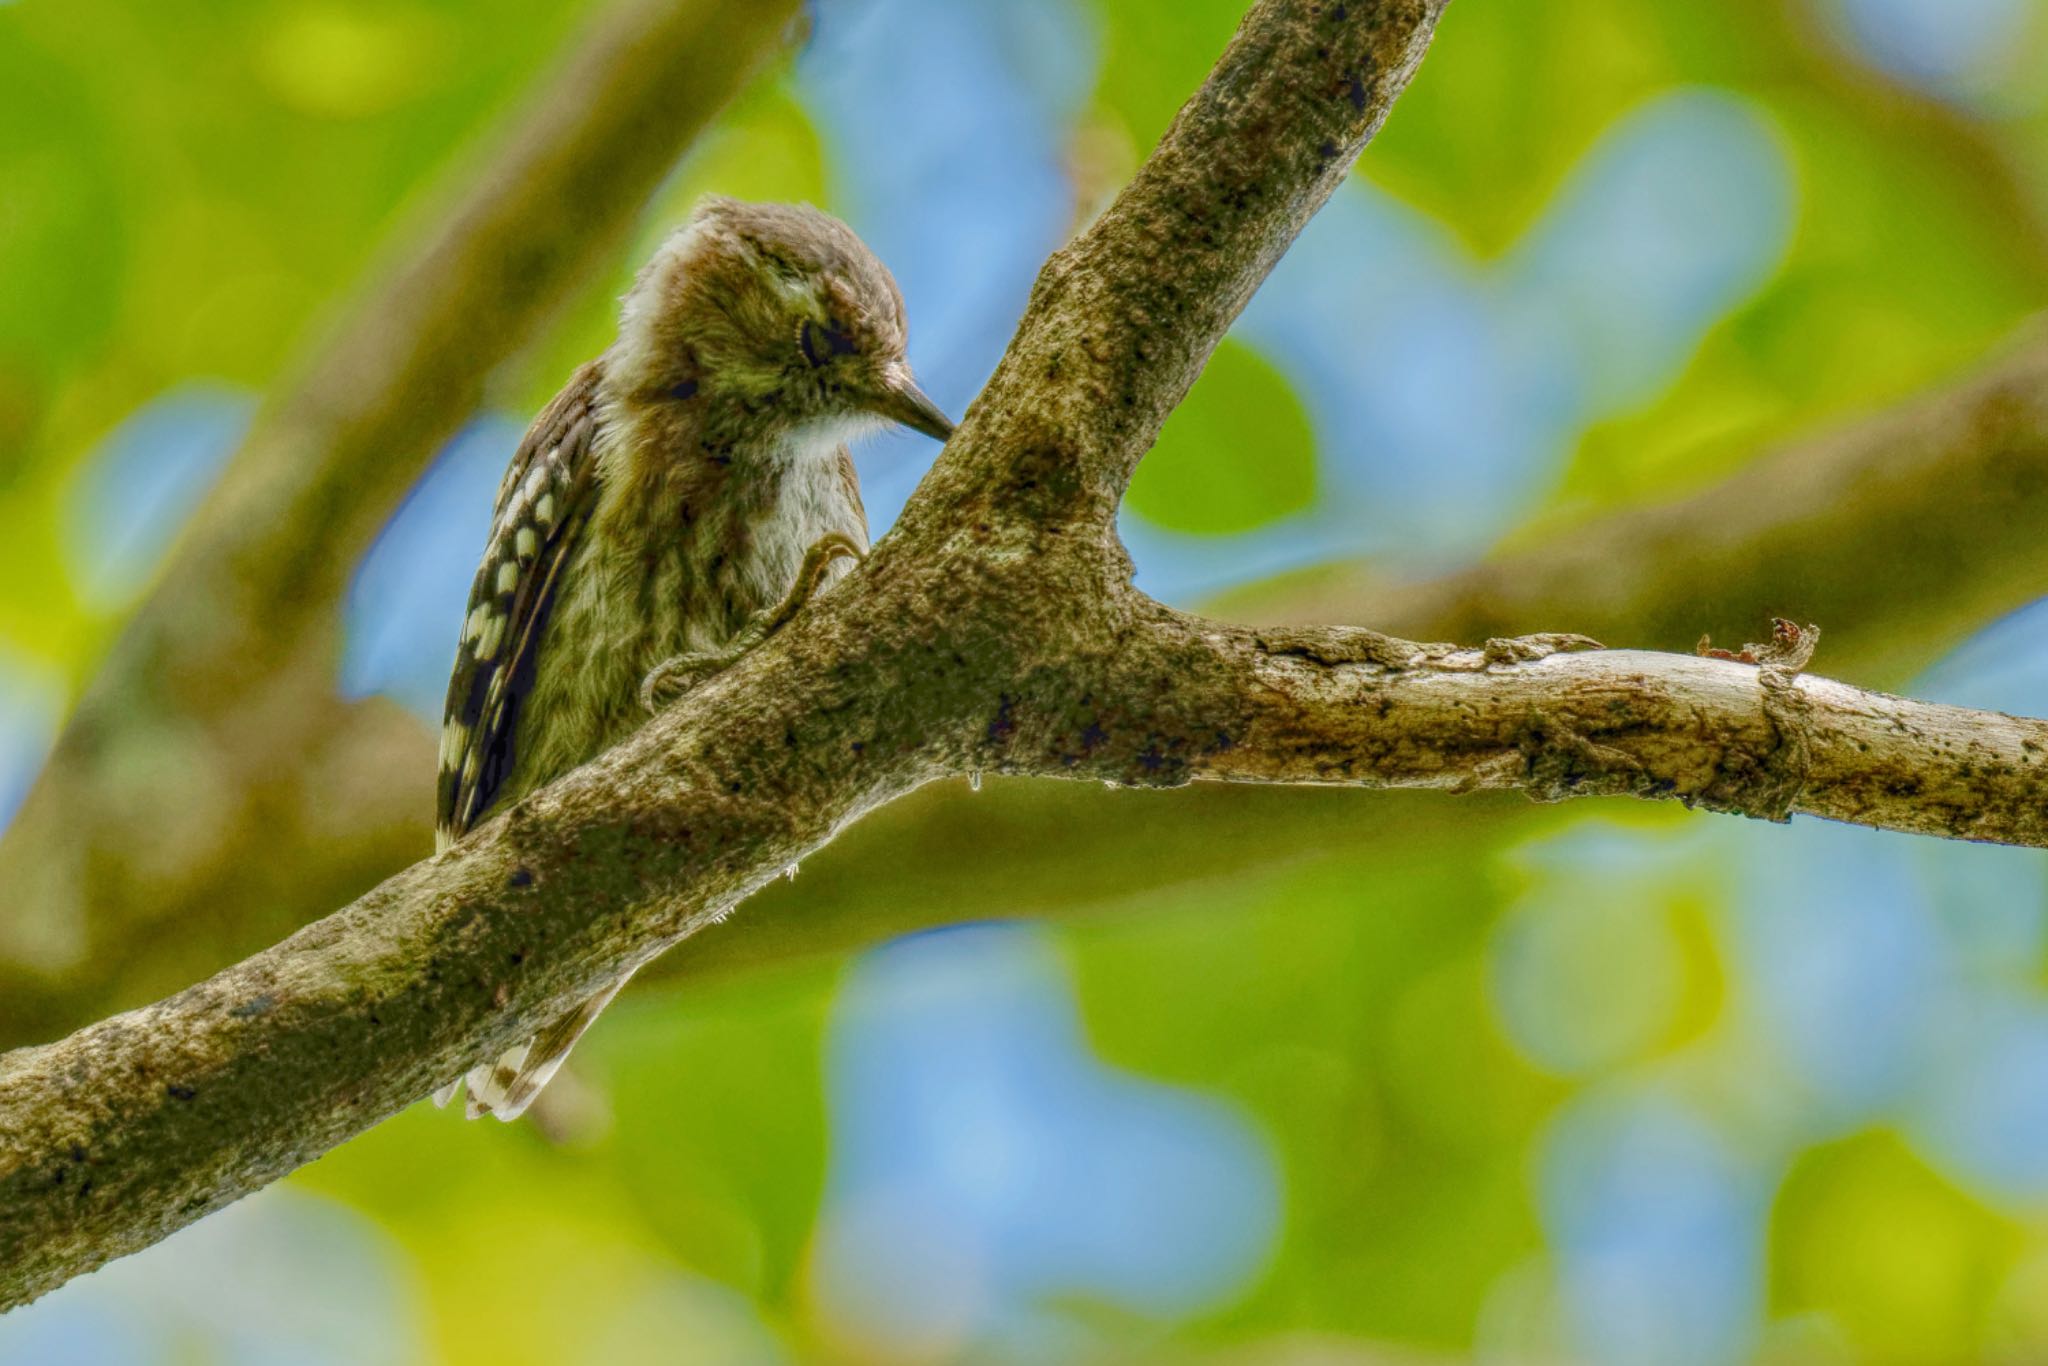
pixel 542 505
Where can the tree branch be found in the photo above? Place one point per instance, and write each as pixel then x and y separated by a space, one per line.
pixel 1123 317
pixel 994 629
pixel 1554 717
pixel 211 763
pixel 1902 532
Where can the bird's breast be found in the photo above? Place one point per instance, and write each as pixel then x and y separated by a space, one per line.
pixel 677 561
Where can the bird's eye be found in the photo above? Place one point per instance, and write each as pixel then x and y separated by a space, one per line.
pixel 820 342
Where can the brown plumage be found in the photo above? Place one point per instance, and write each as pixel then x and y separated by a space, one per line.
pixel 659 512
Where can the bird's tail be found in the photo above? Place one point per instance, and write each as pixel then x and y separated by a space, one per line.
pixel 506 1086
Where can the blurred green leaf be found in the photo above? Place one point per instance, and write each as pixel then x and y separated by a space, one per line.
pixel 63 236
pixel 350 61
pixel 1341 1000
pixel 1903 1262
pixel 1236 455
pixel 719 1110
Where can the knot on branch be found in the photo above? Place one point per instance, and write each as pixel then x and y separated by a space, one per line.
pixel 1778 662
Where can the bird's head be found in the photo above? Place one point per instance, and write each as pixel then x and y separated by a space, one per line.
pixel 780 309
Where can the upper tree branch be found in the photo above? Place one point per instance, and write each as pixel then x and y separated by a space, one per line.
pixel 1123 317
pixel 1902 532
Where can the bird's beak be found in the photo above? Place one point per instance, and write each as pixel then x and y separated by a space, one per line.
pixel 900 400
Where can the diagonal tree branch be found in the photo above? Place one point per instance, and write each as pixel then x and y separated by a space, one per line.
pixel 192 1102
pixel 211 762
pixel 1123 317
pixel 994 629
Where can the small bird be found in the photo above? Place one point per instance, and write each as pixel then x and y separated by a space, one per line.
pixel 679 500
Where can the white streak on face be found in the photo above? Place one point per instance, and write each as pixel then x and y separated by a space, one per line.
pixel 639 352
pixel 801 293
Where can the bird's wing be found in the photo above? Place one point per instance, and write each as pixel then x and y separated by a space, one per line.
pixel 542 505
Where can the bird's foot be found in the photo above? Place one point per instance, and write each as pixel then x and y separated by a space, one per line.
pixel 678 674
pixel 810 576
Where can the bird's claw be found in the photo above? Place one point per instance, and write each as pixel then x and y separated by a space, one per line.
pixel 810 576
pixel 676 675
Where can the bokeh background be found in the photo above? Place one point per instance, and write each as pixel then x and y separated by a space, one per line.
pixel 1330 1077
